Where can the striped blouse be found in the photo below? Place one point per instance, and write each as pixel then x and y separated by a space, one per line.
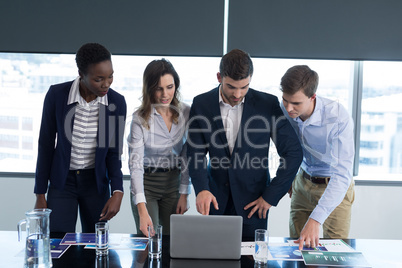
pixel 85 128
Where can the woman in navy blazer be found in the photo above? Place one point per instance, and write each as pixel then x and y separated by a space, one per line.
pixel 87 186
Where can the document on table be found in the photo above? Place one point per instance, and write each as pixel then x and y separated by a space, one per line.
pixel 126 242
pixel 335 245
pixel 247 248
pixel 290 250
pixel 132 243
pixel 57 250
pixel 78 239
pixel 277 251
pixel 338 259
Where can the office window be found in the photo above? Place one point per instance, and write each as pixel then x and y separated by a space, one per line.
pixel 381 138
pixel 27 123
pixel 371 145
pixel 335 77
pixel 399 124
pixel 9 122
pixel 335 82
pixel 27 143
pixel 197 75
pixel 26 77
pixel 8 156
pixel 9 141
pixel 374 161
pixel 27 157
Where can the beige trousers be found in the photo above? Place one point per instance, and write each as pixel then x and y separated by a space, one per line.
pixel 305 196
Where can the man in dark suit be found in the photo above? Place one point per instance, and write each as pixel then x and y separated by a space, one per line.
pixel 80 145
pixel 234 124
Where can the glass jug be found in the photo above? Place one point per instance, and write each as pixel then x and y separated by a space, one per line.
pixel 37 249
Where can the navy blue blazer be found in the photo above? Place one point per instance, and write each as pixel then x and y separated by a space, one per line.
pixel 54 148
pixel 244 172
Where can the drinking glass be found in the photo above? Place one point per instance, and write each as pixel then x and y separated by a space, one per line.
pixel 102 238
pixel 155 241
pixel 261 246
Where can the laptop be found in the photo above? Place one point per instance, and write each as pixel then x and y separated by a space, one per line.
pixel 198 263
pixel 205 237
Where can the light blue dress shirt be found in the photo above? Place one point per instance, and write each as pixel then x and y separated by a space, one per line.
pixel 157 147
pixel 328 151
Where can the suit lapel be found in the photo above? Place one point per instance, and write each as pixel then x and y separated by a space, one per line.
pixel 248 111
pixel 217 119
pixel 69 115
pixel 102 127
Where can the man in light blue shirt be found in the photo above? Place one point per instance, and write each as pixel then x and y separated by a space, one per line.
pixel 323 190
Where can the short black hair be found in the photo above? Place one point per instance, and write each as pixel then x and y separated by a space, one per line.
pixel 91 53
pixel 236 64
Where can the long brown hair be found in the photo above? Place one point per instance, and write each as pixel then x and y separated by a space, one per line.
pixel 152 74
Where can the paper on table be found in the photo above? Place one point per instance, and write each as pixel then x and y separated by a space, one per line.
pixel 129 243
pixel 132 243
pixel 290 250
pixel 339 259
pixel 78 239
pixel 247 248
pixel 335 245
pixel 57 250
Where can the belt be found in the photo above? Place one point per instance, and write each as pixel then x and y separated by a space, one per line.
pixel 159 170
pixel 317 180
pixel 82 171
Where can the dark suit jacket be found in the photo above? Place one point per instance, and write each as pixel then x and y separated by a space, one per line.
pixel 245 173
pixel 57 123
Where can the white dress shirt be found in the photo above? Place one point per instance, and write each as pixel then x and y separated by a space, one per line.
pixel 231 119
pixel 159 148
pixel 328 151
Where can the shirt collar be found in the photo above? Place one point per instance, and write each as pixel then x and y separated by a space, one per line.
pixel 75 96
pixel 154 111
pixel 227 104
pixel 315 118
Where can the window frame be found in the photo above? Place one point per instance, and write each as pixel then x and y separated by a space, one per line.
pixel 355 99
pixel 355 102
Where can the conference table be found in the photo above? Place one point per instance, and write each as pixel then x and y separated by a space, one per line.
pixel 379 253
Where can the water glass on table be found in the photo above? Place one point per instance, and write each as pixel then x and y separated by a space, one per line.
pixel 102 238
pixel 261 246
pixel 155 263
pixel 102 261
pixel 155 241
